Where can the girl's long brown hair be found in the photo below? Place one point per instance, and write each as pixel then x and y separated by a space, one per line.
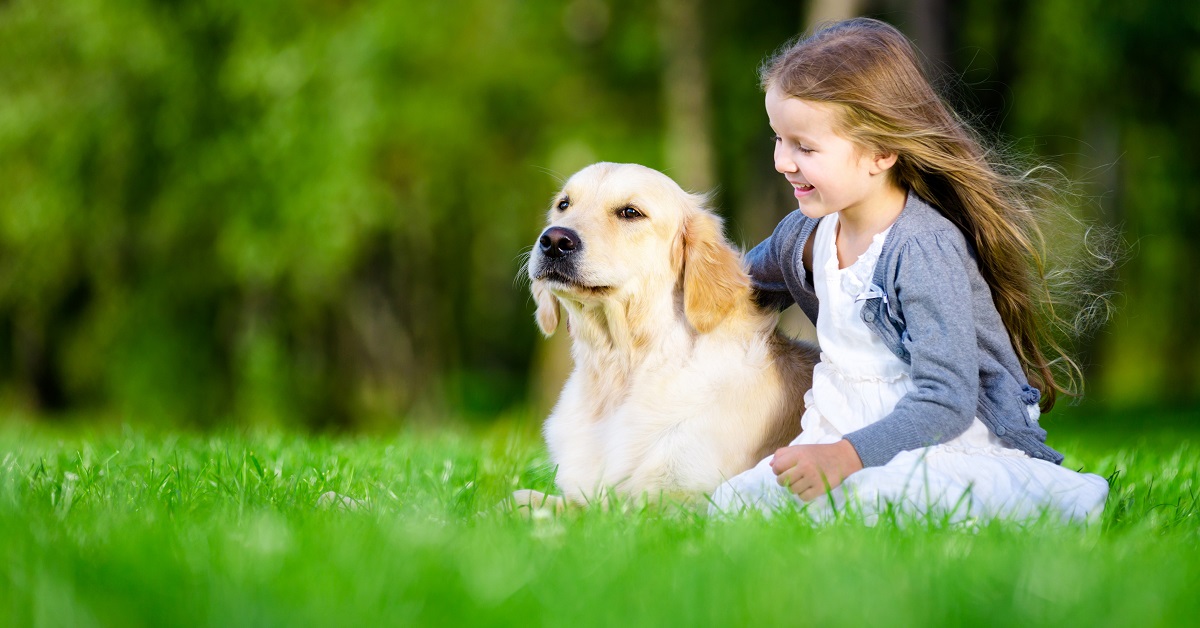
pixel 870 72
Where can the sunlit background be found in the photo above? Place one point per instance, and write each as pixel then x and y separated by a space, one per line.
pixel 311 213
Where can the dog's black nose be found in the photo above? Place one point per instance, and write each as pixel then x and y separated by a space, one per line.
pixel 558 242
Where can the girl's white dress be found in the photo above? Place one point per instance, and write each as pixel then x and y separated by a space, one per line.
pixel 859 381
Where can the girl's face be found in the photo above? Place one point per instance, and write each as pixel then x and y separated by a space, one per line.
pixel 828 172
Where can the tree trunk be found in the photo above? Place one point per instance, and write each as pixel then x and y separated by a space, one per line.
pixel 822 11
pixel 687 96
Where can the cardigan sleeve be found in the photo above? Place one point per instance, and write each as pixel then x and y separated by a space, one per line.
pixel 766 269
pixel 777 270
pixel 933 294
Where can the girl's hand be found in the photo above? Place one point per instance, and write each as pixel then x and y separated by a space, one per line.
pixel 811 470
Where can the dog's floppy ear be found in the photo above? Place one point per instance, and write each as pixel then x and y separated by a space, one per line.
pixel 547 308
pixel 713 279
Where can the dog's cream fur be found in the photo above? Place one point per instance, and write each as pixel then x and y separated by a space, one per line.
pixel 680 381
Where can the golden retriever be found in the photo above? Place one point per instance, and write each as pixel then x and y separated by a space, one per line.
pixel 680 380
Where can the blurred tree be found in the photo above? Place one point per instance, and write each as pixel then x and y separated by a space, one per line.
pixel 218 208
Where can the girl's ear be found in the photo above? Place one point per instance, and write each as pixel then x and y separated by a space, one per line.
pixel 547 308
pixel 713 278
pixel 882 162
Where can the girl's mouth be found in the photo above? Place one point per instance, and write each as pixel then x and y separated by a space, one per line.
pixel 802 189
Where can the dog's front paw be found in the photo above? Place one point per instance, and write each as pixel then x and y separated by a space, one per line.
pixel 531 503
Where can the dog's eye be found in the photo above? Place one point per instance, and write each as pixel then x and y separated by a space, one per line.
pixel 563 205
pixel 629 213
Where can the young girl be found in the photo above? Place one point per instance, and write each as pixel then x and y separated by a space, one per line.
pixel 921 257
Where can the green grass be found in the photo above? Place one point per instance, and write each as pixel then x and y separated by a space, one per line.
pixel 133 527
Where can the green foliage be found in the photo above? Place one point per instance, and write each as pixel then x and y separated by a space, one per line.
pixel 293 212
pixel 135 528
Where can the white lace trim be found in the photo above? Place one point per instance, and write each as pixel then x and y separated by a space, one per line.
pixel 856 278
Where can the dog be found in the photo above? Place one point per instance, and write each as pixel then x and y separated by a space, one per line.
pixel 680 380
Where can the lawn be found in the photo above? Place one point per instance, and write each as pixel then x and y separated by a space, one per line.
pixel 131 526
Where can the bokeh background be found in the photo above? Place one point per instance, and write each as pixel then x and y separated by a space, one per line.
pixel 310 213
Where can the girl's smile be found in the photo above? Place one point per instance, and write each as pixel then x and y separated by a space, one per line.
pixel 801 189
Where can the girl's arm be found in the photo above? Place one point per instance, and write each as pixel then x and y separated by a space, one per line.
pixel 933 290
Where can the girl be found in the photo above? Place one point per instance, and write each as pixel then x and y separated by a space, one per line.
pixel 921 256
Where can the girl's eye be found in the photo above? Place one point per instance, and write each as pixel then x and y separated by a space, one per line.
pixel 805 151
pixel 563 205
pixel 629 213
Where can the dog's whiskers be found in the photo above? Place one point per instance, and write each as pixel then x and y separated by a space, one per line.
pixel 557 177
pixel 522 277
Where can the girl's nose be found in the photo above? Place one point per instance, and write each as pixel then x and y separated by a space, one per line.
pixel 783 163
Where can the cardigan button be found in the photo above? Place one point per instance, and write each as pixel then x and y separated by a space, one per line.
pixel 868 315
pixel 1000 431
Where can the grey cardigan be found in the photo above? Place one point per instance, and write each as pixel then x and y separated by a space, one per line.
pixel 933 309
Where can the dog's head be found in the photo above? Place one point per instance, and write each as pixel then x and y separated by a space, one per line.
pixel 618 231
